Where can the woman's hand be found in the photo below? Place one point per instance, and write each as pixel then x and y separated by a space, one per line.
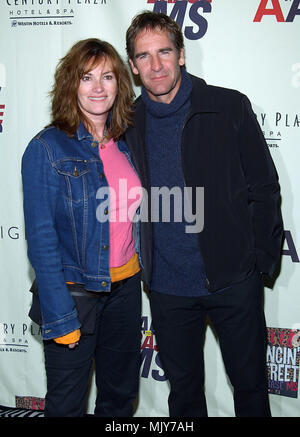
pixel 72 345
pixel 71 340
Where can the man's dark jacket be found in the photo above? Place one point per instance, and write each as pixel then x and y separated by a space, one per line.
pixel 224 151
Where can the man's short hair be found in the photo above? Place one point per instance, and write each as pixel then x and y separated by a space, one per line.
pixel 153 20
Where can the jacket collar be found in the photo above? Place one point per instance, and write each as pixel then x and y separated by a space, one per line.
pixel 202 98
pixel 83 133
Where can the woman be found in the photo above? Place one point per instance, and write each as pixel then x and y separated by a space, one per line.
pixel 84 256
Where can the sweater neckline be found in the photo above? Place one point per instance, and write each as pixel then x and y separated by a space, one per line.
pixel 161 110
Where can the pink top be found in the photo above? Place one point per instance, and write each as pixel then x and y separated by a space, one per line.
pixel 125 197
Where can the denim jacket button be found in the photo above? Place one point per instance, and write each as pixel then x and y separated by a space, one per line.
pixel 94 144
pixel 105 246
pixel 101 175
pixel 106 211
pixel 104 284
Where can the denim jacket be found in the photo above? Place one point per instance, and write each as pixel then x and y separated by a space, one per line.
pixel 66 242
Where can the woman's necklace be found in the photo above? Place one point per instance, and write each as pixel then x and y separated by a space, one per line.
pixel 101 140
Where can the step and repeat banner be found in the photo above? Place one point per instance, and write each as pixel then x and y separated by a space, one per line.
pixel 249 45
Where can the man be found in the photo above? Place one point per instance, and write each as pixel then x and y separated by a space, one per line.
pixel 188 134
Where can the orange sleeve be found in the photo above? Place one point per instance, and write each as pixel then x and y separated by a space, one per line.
pixel 72 337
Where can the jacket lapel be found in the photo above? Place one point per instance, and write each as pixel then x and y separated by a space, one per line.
pixel 136 142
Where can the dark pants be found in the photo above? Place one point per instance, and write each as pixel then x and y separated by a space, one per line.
pixel 238 318
pixel 115 348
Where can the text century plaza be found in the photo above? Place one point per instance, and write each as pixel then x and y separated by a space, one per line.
pixel 53 2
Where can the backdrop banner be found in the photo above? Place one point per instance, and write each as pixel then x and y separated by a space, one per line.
pixel 249 45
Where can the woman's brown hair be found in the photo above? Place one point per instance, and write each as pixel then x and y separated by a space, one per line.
pixel 81 58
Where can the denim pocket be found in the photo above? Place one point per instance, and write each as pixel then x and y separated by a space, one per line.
pixel 74 178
